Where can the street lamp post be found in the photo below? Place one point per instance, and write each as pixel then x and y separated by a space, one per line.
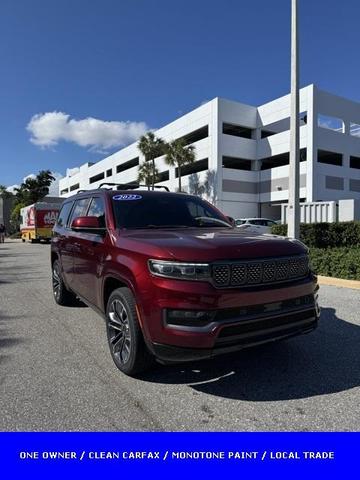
pixel 294 171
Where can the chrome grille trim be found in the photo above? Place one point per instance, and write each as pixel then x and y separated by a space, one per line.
pixel 259 272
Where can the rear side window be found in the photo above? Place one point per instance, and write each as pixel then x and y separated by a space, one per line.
pixel 64 214
pixel 97 209
pixel 80 208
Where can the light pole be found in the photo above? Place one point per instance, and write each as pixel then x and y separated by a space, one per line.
pixel 294 171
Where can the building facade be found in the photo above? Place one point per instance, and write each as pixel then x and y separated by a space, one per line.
pixel 6 205
pixel 242 154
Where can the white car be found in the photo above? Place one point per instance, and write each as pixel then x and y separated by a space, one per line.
pixel 255 225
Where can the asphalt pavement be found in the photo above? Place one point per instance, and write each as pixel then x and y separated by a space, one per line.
pixel 56 373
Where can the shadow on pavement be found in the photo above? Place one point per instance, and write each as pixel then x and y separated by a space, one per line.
pixel 325 361
pixel 7 340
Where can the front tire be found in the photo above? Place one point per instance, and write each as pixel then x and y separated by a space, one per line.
pixel 62 295
pixel 125 338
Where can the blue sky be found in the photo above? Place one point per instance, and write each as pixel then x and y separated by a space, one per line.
pixel 147 62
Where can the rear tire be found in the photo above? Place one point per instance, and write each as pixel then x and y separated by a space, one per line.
pixel 125 338
pixel 62 295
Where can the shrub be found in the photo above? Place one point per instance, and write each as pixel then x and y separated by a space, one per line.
pixel 325 235
pixel 341 262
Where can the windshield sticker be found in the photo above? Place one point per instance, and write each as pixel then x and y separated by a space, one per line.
pixel 126 197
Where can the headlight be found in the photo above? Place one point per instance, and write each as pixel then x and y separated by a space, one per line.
pixel 183 271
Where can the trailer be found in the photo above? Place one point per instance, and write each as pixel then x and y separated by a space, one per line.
pixel 37 221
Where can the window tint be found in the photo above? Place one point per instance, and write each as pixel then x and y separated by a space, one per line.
pixel 97 209
pixel 64 214
pixel 151 211
pixel 80 208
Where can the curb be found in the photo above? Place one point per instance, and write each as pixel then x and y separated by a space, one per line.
pixel 339 282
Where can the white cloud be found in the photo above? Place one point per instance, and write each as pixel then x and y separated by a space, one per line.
pixel 50 128
pixel 31 175
pixel 11 188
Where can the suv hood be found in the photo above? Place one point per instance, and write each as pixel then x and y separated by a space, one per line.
pixel 206 244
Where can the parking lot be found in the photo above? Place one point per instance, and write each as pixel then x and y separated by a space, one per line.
pixel 56 372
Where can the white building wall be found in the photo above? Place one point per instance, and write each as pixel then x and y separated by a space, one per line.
pixel 240 193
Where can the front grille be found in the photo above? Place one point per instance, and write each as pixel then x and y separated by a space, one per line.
pixel 233 274
pixel 279 323
pixel 263 309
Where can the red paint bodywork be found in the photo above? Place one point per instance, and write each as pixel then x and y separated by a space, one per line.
pixel 92 261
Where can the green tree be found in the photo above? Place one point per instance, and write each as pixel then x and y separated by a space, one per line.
pixel 15 216
pixel 34 189
pixel 148 174
pixel 151 147
pixel 179 154
pixel 4 193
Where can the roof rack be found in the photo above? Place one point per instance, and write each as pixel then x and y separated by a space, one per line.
pixel 131 186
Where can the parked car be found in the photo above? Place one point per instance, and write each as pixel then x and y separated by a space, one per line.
pixel 174 280
pixel 255 225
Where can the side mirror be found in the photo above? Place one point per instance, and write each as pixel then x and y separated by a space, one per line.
pixel 231 220
pixel 87 224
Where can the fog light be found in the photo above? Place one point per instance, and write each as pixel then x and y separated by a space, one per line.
pixel 189 318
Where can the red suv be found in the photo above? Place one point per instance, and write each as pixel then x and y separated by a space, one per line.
pixel 174 279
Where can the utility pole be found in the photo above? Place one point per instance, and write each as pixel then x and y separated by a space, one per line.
pixel 294 171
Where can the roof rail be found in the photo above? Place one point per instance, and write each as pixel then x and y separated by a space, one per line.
pixel 131 186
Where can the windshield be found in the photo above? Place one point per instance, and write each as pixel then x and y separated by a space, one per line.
pixel 152 210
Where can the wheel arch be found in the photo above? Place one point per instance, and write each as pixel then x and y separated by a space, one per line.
pixel 111 283
pixel 54 256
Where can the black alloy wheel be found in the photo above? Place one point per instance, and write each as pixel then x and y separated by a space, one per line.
pixel 62 295
pixel 125 338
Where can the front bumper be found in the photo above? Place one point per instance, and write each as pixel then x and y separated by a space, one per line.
pixel 244 317
pixel 240 335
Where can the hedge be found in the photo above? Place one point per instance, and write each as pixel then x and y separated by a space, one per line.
pixel 343 262
pixel 325 235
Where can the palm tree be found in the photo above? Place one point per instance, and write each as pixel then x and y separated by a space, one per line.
pixel 179 154
pixel 148 174
pixel 151 147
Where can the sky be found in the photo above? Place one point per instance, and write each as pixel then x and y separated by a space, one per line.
pixel 79 79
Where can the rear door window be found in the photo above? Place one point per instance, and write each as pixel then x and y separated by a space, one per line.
pixel 97 209
pixel 64 214
pixel 80 209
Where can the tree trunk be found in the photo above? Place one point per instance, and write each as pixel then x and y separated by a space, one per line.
pixel 179 173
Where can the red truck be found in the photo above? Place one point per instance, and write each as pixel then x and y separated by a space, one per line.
pixel 174 280
pixel 38 220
